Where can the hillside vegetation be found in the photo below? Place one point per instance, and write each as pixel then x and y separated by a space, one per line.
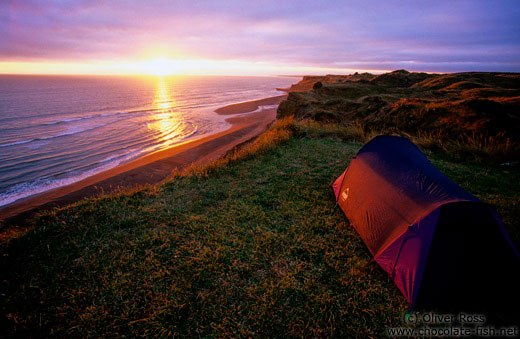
pixel 470 108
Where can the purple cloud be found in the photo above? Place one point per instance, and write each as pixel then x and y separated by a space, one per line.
pixel 416 35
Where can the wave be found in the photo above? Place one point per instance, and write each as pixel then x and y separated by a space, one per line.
pixel 65 120
pixel 37 186
pixel 61 134
pixel 16 143
pixel 176 134
pixel 92 116
pixel 86 117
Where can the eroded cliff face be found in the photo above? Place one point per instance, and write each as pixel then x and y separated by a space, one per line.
pixel 452 104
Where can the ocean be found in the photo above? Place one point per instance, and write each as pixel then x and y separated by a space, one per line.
pixel 57 130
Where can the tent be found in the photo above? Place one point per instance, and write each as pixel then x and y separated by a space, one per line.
pixel 443 247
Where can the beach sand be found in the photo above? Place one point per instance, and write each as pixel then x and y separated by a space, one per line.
pixel 250 106
pixel 153 168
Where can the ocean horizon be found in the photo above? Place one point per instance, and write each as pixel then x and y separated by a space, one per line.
pixel 57 130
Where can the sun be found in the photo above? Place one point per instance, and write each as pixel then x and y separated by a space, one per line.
pixel 160 67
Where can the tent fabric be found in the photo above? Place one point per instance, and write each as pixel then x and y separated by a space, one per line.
pixel 396 199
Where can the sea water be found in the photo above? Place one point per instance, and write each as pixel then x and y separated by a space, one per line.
pixel 56 130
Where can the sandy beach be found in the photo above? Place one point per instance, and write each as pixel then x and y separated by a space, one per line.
pixel 155 167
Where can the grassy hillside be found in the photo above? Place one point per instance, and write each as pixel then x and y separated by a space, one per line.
pixel 252 245
pixel 478 109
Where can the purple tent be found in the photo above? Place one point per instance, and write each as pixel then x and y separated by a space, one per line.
pixel 443 247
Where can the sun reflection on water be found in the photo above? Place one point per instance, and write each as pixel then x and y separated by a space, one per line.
pixel 163 98
pixel 166 121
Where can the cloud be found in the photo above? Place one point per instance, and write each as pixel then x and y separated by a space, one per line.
pixel 421 35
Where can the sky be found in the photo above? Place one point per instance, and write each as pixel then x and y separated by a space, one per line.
pixel 257 37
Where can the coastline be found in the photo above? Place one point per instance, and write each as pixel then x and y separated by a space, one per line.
pixel 156 167
pixel 250 106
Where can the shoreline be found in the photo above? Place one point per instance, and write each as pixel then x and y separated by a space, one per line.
pixel 153 168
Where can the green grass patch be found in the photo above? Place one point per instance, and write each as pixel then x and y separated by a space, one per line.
pixel 255 247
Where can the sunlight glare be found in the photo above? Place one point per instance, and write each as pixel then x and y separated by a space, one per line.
pixel 166 123
pixel 161 67
pixel 163 99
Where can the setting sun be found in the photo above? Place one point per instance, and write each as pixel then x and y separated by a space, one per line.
pixel 161 66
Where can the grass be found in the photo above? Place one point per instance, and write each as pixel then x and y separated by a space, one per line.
pixel 251 245
pixel 472 148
